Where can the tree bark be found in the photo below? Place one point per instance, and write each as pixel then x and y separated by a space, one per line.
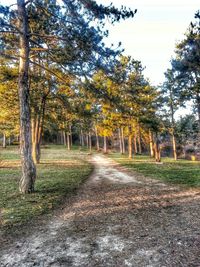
pixel 87 140
pixel 64 138
pixel 68 142
pixel 4 141
pixel 105 149
pixel 28 177
pixel 82 139
pixel 139 141
pixel 120 141
pixel 157 149
pixel 97 139
pixel 151 143
pixel 37 129
pixel 135 144
pixel 174 145
pixel 70 133
pixel 90 142
pixel 130 144
pixel 123 143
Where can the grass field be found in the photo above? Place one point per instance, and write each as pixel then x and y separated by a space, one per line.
pixel 183 172
pixel 58 175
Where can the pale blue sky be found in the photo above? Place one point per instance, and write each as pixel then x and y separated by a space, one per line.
pixel 152 34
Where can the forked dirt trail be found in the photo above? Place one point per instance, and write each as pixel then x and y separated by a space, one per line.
pixel 117 219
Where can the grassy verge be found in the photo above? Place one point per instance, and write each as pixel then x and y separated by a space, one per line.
pixel 58 175
pixel 178 172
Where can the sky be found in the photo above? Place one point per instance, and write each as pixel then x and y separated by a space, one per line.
pixel 152 34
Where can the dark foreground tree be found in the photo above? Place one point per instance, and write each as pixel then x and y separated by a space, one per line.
pixel 28 168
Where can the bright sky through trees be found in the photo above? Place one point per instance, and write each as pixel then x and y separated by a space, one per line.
pixel 152 34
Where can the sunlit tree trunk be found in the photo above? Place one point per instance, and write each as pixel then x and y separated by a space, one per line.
pixel 97 139
pixel 68 142
pixel 37 130
pixel 105 148
pixel 123 142
pixel 4 141
pixel 120 141
pixel 157 149
pixel 174 146
pixel 28 177
pixel 130 144
pixel 135 144
pixel 71 137
pixel 151 143
pixel 139 145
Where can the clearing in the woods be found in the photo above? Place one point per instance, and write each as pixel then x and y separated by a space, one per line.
pixel 116 218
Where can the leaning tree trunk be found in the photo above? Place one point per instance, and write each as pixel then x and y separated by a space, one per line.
pixel 28 177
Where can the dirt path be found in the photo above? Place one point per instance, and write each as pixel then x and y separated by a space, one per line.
pixel 117 219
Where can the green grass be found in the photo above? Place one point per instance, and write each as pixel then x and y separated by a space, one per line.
pixel 178 172
pixel 58 175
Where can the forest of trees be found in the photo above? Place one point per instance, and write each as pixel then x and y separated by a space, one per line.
pixel 60 83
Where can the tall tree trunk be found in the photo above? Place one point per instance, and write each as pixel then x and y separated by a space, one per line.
pixel 198 101
pixel 157 149
pixel 87 140
pixel 139 145
pixel 174 146
pixel 173 127
pixel 105 149
pixel 71 137
pixel 123 143
pixel 68 142
pixel 82 139
pixel 151 143
pixel 64 138
pixel 120 141
pixel 4 141
pixel 90 142
pixel 130 144
pixel 135 144
pixel 97 139
pixel 139 141
pixel 28 177
pixel 37 128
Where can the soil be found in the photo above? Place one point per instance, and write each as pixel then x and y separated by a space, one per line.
pixel 117 218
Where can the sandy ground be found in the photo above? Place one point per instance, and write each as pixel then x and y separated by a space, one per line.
pixel 118 218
